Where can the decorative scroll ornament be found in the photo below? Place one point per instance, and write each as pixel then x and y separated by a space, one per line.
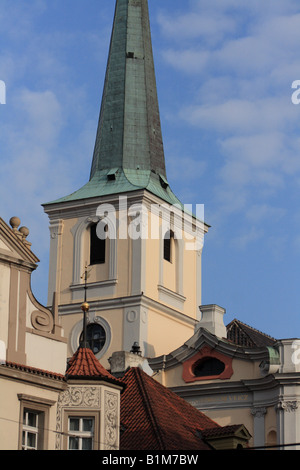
pixel 42 321
pixel 291 405
pixel 75 397
pixel 259 412
pixel 111 420
pixel 80 396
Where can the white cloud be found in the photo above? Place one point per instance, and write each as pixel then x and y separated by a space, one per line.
pixel 188 60
pixel 259 213
pixel 236 116
pixel 251 235
pixel 209 28
pixel 241 79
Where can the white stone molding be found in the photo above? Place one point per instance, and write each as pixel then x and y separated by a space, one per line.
pixel 172 298
pixel 56 231
pixel 287 421
pixel 258 414
pixel 135 327
pixel 179 248
pixel 287 405
pixel 138 217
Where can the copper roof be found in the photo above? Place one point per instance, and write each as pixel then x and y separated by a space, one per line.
pixel 128 153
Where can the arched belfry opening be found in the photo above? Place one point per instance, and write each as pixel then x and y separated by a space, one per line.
pixel 98 243
pixel 169 247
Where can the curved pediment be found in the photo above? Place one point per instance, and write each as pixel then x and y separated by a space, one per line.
pixel 203 338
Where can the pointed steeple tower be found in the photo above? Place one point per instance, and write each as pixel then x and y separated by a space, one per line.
pixel 129 133
pixel 139 283
pixel 128 153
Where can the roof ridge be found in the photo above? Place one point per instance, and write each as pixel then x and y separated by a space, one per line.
pixel 149 409
pixel 33 370
pixel 251 328
pixel 171 396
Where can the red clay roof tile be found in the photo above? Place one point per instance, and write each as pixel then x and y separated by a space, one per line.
pixel 33 370
pixel 155 418
pixel 84 364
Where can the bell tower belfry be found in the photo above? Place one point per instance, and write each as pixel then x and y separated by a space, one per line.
pixel 140 250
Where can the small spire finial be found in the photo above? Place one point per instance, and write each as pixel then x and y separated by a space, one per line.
pixel 15 223
pixel 85 308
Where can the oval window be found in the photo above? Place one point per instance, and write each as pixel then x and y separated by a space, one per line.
pixel 208 367
pixel 96 337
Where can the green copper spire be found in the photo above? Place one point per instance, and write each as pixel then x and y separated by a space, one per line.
pixel 128 153
pixel 129 132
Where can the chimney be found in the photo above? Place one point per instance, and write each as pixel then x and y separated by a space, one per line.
pixel 212 320
pixel 2 352
pixel 121 361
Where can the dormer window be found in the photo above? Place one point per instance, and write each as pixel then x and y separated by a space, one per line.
pixel 208 366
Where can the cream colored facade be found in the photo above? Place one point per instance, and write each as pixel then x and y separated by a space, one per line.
pixel 136 295
pixel 36 398
pixel 27 389
pixel 26 325
pixel 257 386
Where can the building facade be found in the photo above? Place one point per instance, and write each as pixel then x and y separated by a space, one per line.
pixel 44 403
pixel 140 248
pixel 125 244
pixel 236 374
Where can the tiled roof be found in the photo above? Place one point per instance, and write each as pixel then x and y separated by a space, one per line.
pixel 244 335
pixel 85 365
pixel 221 431
pixel 155 418
pixel 33 370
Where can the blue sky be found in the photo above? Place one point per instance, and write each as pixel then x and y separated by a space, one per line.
pixel 231 133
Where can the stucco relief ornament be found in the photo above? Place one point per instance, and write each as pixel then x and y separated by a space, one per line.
pixel 85 397
pixel 288 406
pixel 258 412
pixel 111 406
pixel 42 321
pixel 80 396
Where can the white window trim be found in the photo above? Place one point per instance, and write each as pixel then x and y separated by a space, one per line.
pixel 40 406
pixel 81 434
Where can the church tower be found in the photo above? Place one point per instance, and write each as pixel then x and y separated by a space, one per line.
pixel 124 241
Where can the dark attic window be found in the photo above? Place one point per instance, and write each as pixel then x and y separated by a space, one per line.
pixel 97 246
pixel 208 367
